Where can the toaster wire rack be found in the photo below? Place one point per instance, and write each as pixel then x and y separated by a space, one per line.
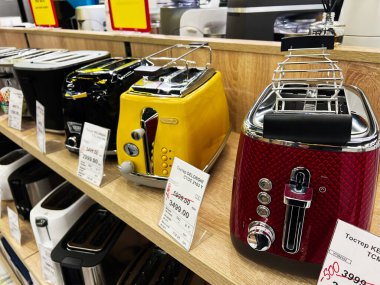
pixel 307 81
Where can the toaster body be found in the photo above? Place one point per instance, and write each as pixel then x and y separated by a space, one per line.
pixel 155 128
pixel 97 248
pixel 288 195
pixel 92 94
pixel 42 79
pixel 8 164
pixel 54 215
pixel 30 183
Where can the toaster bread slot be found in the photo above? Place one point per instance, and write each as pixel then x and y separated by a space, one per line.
pixel 12 157
pixel 62 198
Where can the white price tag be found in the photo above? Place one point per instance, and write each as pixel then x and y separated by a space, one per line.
pixel 353 257
pixel 40 121
pixel 16 100
pixel 94 142
pixel 48 266
pixel 14 225
pixel 183 197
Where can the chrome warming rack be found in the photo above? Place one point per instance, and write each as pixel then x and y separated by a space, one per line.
pixel 307 81
pixel 172 61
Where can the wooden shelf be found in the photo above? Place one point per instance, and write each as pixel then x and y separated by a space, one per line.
pixel 27 251
pixel 212 255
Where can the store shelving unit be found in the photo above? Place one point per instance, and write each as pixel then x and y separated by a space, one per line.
pixel 212 254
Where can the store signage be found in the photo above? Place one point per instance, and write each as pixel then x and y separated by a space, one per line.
pixel 44 13
pixel 129 15
pixel 353 257
pixel 183 197
pixel 16 100
pixel 14 225
pixel 94 142
pixel 40 124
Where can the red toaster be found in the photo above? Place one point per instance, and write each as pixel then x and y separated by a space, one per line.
pixel 308 155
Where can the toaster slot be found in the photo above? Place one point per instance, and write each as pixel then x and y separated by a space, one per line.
pixel 12 157
pixel 63 198
pixel 149 123
pixel 95 232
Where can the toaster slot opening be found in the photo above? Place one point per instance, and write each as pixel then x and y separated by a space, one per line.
pixel 149 122
pixel 12 157
pixel 63 198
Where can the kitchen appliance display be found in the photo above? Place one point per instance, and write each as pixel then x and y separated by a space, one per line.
pixel 308 155
pixel 92 94
pixel 8 164
pixel 97 248
pixel 30 183
pixel 54 215
pixel 174 111
pixel 42 79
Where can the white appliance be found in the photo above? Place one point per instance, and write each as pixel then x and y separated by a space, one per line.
pixel 91 17
pixel 8 164
pixel 362 22
pixel 205 22
pixel 52 217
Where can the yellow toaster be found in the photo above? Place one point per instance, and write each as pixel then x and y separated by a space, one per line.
pixel 173 111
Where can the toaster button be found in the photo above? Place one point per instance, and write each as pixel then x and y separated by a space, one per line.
pixel 138 134
pixel 131 149
pixel 164 165
pixel 264 198
pixel 164 172
pixel 164 158
pixel 164 150
pixel 263 211
pixel 265 184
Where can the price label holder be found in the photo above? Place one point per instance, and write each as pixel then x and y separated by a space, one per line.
pixel 47 265
pixel 14 225
pixel 352 258
pixel 16 100
pixel 94 142
pixel 40 122
pixel 182 200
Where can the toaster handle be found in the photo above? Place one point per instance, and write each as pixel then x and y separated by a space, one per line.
pixel 297 197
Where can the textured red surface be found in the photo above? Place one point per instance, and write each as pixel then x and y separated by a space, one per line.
pixel 349 179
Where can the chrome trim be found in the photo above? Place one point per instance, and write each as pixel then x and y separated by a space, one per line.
pixel 93 275
pixel 267 9
pixel 55 131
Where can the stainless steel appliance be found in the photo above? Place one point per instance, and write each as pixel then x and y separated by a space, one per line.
pixel 254 19
pixel 30 183
pixel 8 164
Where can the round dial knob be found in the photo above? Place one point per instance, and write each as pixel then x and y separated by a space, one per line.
pixel 260 236
pixel 72 141
pixel 138 134
pixel 126 167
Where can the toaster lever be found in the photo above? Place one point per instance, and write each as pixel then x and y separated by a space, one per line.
pixel 297 198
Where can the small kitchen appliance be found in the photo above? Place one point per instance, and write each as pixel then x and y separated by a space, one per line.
pixel 308 155
pixel 41 80
pixel 97 248
pixel 54 215
pixel 92 94
pixel 30 183
pixel 8 164
pixel 174 111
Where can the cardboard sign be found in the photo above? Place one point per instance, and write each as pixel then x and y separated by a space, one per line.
pixel 129 15
pixel 44 14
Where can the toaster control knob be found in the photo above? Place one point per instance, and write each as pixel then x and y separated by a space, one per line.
pixel 260 236
pixel 126 167
pixel 138 134
pixel 72 141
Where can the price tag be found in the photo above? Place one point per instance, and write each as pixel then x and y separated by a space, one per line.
pixel 16 100
pixel 47 265
pixel 14 225
pixel 44 13
pixel 94 142
pixel 40 121
pixel 129 15
pixel 183 197
pixel 353 257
